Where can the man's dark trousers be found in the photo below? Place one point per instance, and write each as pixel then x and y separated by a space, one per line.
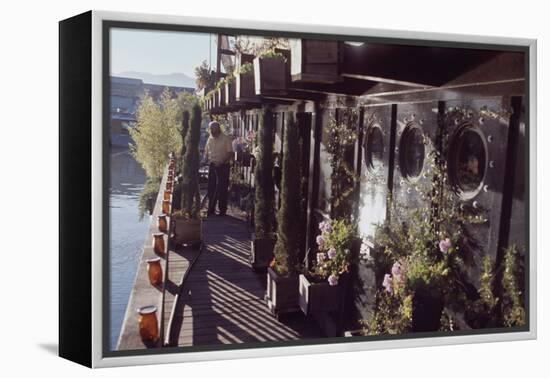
pixel 218 182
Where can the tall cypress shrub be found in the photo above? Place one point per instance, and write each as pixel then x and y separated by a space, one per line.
pixel 190 199
pixel 287 247
pixel 184 132
pixel 264 214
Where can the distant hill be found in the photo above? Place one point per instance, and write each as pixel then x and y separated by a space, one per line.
pixel 174 79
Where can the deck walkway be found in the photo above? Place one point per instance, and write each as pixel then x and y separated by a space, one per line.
pixel 221 301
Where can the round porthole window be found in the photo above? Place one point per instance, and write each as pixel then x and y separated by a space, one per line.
pixel 411 152
pixel 374 148
pixel 468 160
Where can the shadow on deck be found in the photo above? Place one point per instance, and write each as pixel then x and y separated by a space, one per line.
pixel 221 301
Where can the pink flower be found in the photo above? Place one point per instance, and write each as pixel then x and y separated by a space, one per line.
pixel 333 280
pixel 325 226
pixel 444 245
pixel 396 269
pixel 321 257
pixel 331 253
pixel 388 283
pixel 320 240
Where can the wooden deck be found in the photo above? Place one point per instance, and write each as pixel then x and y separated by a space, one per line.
pixel 221 300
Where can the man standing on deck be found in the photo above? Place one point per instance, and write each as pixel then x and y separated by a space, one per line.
pixel 218 152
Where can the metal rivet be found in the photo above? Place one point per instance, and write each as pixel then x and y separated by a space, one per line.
pixel 402 182
pixel 396 149
pixel 491 164
pixel 457 121
pixel 475 205
pixel 409 190
pixel 485 188
pixel 413 116
pixel 489 138
pixel 481 120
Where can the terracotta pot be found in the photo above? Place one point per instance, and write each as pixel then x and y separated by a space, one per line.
pixel 154 271
pixel 166 206
pixel 158 243
pixel 162 223
pixel 148 324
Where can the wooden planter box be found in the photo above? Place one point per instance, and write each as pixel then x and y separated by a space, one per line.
pixel 187 231
pixel 221 96
pixel 243 157
pixel 245 88
pixel 316 61
pixel 318 297
pixel 215 100
pixel 282 293
pixel 261 252
pixel 271 76
pixel 230 93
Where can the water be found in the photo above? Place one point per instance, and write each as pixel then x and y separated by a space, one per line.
pixel 127 233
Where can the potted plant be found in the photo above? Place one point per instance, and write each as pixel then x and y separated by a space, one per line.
pixel 322 287
pixel 245 88
pixel 263 240
pixel 282 277
pixel 188 223
pixel 271 74
pixel 215 99
pixel 220 92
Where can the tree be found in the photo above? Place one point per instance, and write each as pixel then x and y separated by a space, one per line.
pixel 156 133
pixel 264 196
pixel 184 131
pixel 190 199
pixel 204 77
pixel 287 248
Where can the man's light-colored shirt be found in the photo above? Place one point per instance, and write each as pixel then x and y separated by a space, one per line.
pixel 217 149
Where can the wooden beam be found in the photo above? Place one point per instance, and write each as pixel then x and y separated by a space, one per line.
pixel 423 67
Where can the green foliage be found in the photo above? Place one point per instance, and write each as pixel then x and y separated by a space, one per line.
pixel 190 199
pixel 512 299
pixel 204 77
pixel 485 291
pixel 428 245
pixel 271 54
pixel 184 131
pixel 334 250
pixel 245 69
pixel 148 196
pixel 185 101
pixel 393 314
pixel 156 133
pixel 264 213
pixel 287 247
pixel 342 136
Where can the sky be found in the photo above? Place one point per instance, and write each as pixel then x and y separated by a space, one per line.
pixel 159 52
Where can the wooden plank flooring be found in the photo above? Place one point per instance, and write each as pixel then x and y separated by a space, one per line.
pixel 221 301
